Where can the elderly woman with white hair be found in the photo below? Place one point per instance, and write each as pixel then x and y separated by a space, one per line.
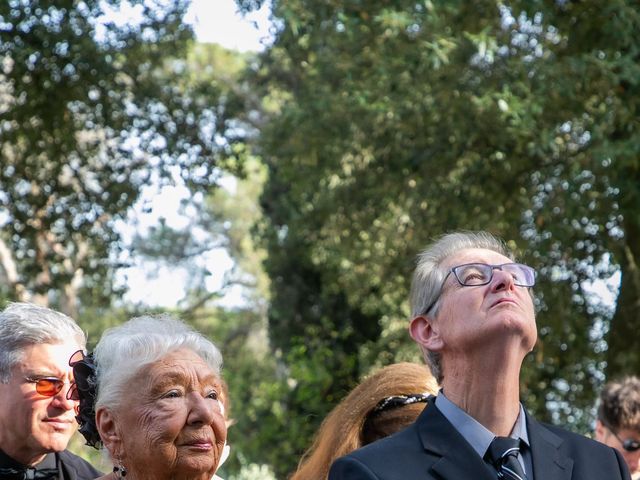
pixel 150 395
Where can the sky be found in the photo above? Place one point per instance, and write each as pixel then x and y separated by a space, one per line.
pixel 216 21
pixel 213 21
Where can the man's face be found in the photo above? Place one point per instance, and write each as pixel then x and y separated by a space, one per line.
pixel 606 436
pixel 482 318
pixel 32 424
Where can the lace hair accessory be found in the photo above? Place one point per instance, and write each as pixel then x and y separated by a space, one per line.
pixel 399 401
pixel 84 390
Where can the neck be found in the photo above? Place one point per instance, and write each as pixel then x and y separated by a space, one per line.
pixel 492 399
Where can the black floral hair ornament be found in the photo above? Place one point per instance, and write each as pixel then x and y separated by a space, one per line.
pixel 83 390
pixel 396 401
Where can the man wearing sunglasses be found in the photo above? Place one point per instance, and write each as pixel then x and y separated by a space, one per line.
pixel 473 317
pixel 36 418
pixel 618 423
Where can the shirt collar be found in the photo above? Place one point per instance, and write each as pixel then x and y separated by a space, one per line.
pixel 473 431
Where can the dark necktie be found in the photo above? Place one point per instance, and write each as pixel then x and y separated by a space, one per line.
pixel 503 454
pixel 28 473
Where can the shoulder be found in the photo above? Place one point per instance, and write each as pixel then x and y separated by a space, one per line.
pixel 78 466
pixel 578 443
pixel 589 459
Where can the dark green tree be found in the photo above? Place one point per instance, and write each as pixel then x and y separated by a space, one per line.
pixel 388 123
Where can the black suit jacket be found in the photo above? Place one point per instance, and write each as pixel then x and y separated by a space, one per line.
pixel 75 468
pixel 431 448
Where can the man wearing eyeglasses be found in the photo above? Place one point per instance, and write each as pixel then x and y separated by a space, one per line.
pixel 36 418
pixel 618 423
pixel 473 318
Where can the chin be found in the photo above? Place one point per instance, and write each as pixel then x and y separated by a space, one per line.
pixel 197 468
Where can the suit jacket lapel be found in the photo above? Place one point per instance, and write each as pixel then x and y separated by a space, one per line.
pixel 455 458
pixel 548 462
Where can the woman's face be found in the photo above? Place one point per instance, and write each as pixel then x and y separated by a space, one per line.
pixel 171 423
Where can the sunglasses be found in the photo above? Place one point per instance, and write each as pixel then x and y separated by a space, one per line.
pixel 81 373
pixel 629 444
pixel 47 386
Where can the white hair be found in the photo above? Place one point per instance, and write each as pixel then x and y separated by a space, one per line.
pixel 124 350
pixel 26 324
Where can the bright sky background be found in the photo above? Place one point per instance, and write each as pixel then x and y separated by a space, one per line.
pixel 214 21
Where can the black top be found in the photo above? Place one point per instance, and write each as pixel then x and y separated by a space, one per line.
pixel 68 466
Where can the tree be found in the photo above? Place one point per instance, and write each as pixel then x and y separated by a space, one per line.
pixel 397 121
pixel 91 111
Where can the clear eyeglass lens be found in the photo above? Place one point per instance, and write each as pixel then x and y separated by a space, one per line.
pixel 517 272
pixel 474 274
pixel 481 274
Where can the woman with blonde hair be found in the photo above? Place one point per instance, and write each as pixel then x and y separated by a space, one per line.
pixel 384 403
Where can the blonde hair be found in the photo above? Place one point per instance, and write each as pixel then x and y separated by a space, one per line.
pixel 342 431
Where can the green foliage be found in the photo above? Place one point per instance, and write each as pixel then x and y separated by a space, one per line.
pixel 387 123
pixel 91 111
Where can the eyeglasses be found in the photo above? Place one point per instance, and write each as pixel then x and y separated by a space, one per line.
pixel 47 386
pixel 74 362
pixel 399 401
pixel 477 274
pixel 630 445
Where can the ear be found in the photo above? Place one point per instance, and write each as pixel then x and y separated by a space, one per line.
pixel 600 431
pixel 109 432
pixel 426 333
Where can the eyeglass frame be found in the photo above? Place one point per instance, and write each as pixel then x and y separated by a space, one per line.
pixel 493 267
pixel 73 394
pixel 629 445
pixel 57 381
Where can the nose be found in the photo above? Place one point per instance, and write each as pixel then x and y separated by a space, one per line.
pixel 501 280
pixel 202 410
pixel 61 399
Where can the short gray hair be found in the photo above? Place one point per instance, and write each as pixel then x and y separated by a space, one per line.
pixel 426 285
pixel 124 350
pixel 26 324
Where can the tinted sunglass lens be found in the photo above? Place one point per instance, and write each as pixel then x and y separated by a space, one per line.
pixel 48 387
pixel 76 357
pixel 73 393
pixel 631 445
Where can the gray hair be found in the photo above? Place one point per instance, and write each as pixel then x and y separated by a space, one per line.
pixel 124 350
pixel 428 277
pixel 26 324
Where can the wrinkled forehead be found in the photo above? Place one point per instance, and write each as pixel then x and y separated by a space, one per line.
pixel 475 255
pixel 181 363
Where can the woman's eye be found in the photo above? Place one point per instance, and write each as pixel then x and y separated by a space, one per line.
pixel 172 394
pixel 213 395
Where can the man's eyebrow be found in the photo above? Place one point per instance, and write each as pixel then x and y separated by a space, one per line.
pixel 42 374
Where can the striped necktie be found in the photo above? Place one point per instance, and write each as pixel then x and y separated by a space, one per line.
pixel 503 454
